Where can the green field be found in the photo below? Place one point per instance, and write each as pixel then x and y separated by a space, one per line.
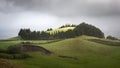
pixel 76 52
pixel 61 30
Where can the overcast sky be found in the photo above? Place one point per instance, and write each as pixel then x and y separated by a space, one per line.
pixel 43 14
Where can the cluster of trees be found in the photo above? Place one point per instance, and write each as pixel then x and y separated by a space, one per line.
pixel 67 25
pixel 112 38
pixel 89 30
pixel 14 52
pixel 63 35
pixel 49 29
pixel 81 29
pixel 27 34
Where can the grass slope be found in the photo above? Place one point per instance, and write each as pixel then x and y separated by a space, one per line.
pixel 60 30
pixel 14 38
pixel 89 55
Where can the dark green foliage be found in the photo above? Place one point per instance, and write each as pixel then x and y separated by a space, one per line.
pixel 14 56
pixel 49 29
pixel 27 34
pixel 44 35
pixel 64 35
pixel 15 49
pixel 2 51
pixel 86 29
pixel 34 35
pixel 112 38
pixel 6 56
pixel 24 34
pixel 67 25
pixel 70 34
pixel 81 29
pixel 21 56
pixel 14 52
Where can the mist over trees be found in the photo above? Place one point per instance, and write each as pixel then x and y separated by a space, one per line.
pixel 81 29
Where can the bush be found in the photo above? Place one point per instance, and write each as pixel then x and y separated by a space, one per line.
pixel 14 56
pixel 6 56
pixel 2 51
pixel 14 52
pixel 20 56
pixel 17 49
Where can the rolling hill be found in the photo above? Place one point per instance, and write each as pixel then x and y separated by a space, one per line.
pixel 79 52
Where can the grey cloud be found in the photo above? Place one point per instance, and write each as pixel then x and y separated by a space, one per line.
pixel 8 7
pixel 102 13
pixel 71 7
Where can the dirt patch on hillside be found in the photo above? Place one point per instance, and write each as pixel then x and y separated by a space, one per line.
pixel 105 42
pixel 33 48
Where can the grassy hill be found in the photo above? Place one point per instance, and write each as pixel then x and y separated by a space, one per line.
pixel 79 52
pixel 60 30
pixel 14 38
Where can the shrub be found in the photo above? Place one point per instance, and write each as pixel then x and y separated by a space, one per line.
pixel 20 56
pixel 6 56
pixel 17 49
pixel 2 51
pixel 14 56
pixel 14 52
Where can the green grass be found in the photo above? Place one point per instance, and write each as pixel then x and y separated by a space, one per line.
pixel 89 54
pixel 14 38
pixel 61 30
pixel 5 44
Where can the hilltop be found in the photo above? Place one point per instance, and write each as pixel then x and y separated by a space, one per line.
pixel 61 30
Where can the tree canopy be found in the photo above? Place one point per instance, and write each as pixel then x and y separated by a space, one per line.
pixel 81 29
pixel 112 38
pixel 87 29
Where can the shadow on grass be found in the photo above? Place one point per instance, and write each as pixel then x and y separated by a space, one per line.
pixel 33 48
pixel 69 57
pixel 105 42
pixel 51 41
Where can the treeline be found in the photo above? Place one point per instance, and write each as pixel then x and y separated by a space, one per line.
pixel 81 29
pixel 112 38
pixel 27 34
pixel 67 25
pixel 89 30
